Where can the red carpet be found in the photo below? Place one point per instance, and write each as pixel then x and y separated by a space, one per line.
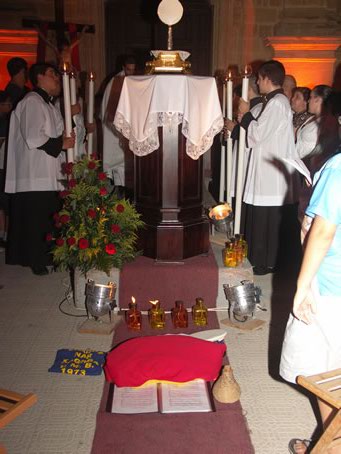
pixel 146 280
pixel 220 432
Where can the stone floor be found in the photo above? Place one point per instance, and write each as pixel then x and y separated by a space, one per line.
pixel 32 329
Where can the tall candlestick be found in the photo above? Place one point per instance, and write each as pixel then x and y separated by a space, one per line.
pixel 222 159
pixel 73 93
pixel 229 103
pixel 67 110
pixel 241 153
pixel 91 110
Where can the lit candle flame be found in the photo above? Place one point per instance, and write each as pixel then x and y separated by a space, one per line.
pixel 133 300
pixel 230 74
pixel 64 67
pixel 91 76
pixel 154 302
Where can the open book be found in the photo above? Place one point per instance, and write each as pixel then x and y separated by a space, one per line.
pixel 187 397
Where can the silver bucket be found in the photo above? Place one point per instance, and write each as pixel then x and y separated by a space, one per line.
pixel 242 298
pixel 100 299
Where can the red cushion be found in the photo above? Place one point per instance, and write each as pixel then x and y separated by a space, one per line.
pixel 169 358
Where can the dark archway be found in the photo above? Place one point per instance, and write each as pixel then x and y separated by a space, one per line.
pixel 132 27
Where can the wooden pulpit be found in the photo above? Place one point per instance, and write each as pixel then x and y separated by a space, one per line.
pixel 168 170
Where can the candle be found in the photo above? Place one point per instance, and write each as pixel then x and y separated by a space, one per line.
pixel 67 110
pixel 91 110
pixel 229 103
pixel 73 94
pixel 222 159
pixel 224 99
pixel 241 153
pixel 229 99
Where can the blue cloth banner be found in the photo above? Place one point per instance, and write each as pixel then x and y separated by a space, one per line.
pixel 78 362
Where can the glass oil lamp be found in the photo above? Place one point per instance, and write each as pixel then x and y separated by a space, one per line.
pixel 133 316
pixel 229 255
pixel 156 315
pixel 179 315
pixel 199 313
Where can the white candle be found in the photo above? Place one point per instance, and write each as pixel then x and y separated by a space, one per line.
pixel 67 111
pixel 229 103
pixel 91 100
pixel 241 153
pixel 222 159
pixel 224 99
pixel 73 93
pixel 229 96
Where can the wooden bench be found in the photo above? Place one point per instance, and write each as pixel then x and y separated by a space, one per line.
pixel 326 387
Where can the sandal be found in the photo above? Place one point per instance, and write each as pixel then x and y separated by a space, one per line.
pixel 298 441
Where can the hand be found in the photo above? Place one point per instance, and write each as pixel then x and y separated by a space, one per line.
pixel 304 306
pixel 229 125
pixel 243 106
pixel 75 109
pixel 90 127
pixel 69 142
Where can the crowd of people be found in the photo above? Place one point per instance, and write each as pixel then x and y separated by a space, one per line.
pixel 297 123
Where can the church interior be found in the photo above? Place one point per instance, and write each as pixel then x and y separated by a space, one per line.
pixel 69 416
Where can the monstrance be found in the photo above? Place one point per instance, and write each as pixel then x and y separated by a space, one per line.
pixel 170 13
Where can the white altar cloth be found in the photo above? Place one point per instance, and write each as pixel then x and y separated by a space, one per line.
pixel 148 102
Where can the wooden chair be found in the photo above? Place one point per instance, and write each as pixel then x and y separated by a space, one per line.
pixel 327 387
pixel 13 404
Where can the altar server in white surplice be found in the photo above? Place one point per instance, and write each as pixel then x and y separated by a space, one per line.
pixel 35 155
pixel 271 188
pixel 113 155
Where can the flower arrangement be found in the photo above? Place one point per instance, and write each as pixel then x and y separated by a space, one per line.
pixel 94 229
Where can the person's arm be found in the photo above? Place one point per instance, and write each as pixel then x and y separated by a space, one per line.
pixel 77 41
pixel 320 238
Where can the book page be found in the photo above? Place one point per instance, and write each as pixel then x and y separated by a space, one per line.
pixel 300 166
pixel 184 397
pixel 135 400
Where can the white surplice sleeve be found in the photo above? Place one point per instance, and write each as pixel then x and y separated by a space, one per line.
pixel 33 123
pixel 306 139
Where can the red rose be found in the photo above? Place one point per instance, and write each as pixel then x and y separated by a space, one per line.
pixel 71 241
pixel 56 217
pixel 91 213
pixel 49 237
pixel 59 241
pixel 93 156
pixel 91 165
pixel 67 168
pixel 64 194
pixel 119 208
pixel 83 243
pixel 115 228
pixel 110 249
pixel 72 183
pixel 64 219
pixel 102 176
pixel 103 191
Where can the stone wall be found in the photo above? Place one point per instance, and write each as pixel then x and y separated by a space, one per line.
pixel 243 26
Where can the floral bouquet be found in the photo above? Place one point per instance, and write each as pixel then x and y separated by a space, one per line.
pixel 95 230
